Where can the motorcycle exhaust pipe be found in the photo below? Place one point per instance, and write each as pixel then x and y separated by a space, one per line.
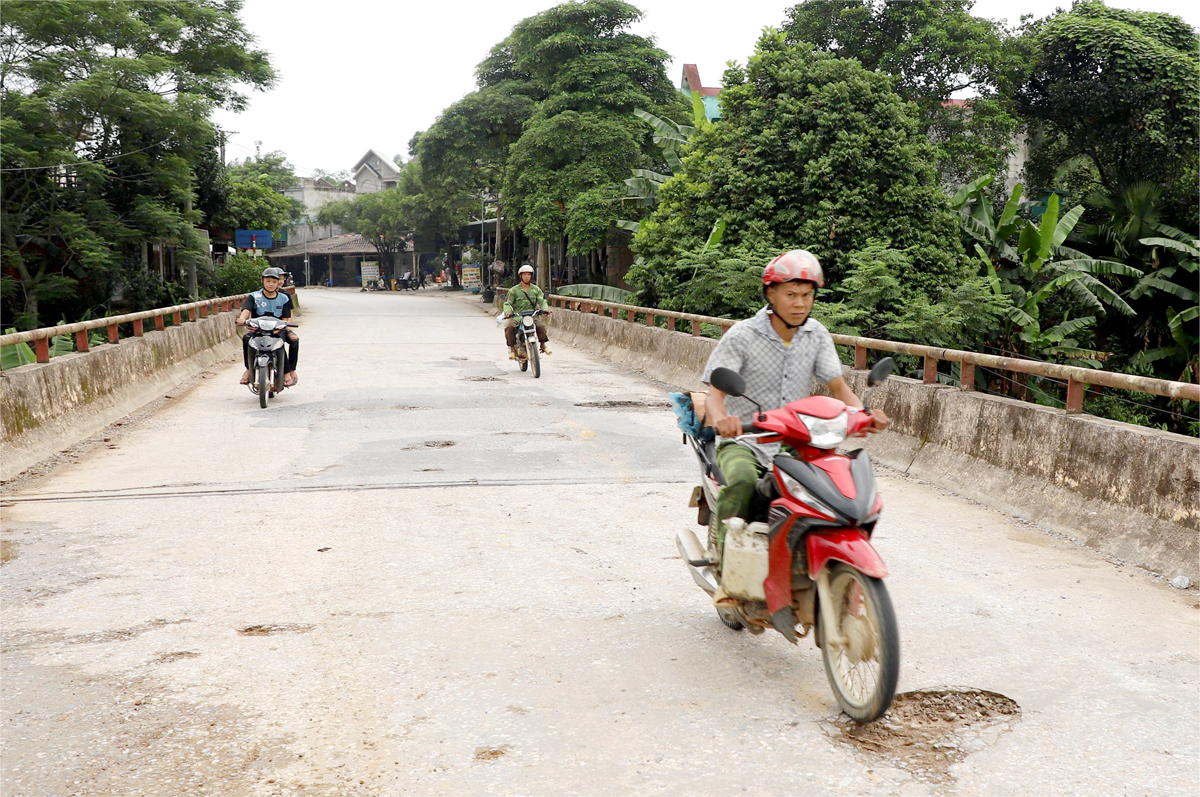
pixel 691 551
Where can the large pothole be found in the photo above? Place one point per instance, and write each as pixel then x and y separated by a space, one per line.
pixel 927 731
pixel 624 405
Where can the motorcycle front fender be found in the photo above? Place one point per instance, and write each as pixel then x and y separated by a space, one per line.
pixel 263 360
pixel 851 546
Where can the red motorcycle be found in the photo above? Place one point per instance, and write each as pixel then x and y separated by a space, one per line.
pixel 804 558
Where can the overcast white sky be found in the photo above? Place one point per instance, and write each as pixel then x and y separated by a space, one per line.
pixel 361 74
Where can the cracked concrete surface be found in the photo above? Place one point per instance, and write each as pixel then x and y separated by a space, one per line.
pixel 508 615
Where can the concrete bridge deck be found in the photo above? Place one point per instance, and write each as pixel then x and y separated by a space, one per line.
pixel 424 572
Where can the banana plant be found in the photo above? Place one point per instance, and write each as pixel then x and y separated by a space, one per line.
pixel 1034 276
pixel 643 184
pixel 1182 353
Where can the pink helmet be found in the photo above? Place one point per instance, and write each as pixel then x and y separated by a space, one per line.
pixel 798 264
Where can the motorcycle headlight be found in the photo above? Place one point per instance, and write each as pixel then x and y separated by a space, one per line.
pixel 825 432
pixel 798 491
pixel 527 321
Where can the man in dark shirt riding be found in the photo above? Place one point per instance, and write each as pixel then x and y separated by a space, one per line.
pixel 270 301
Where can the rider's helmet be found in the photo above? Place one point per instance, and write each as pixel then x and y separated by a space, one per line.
pixel 277 273
pixel 526 269
pixel 798 265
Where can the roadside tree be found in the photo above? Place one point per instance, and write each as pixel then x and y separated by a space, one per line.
pixel 104 139
pixel 811 151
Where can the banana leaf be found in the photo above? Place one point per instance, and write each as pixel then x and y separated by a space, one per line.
pixel 605 293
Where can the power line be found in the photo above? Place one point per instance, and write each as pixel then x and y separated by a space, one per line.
pixel 80 162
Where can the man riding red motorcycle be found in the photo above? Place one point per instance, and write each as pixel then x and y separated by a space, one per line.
pixel 778 352
pixel 790 517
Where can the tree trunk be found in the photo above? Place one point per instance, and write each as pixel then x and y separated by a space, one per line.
pixel 543 265
pixel 28 283
pixel 454 281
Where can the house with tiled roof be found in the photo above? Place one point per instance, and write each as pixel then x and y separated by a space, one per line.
pixel 374 172
pixel 709 95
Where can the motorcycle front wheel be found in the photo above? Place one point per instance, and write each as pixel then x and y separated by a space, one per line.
pixel 533 358
pixel 862 654
pixel 263 383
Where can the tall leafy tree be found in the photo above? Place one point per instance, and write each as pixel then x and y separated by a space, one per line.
pixel 810 151
pixel 934 49
pixel 588 73
pixel 382 218
pixel 105 129
pixel 1120 88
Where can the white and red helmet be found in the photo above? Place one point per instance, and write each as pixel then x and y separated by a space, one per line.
pixel 798 264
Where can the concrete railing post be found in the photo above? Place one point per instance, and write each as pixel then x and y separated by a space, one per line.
pixel 176 318
pixel 137 328
pixel 966 376
pixel 114 335
pixel 159 323
pixel 860 358
pixel 670 323
pixel 204 311
pixel 1075 391
pixel 41 348
pixel 191 314
pixel 695 328
pixel 930 375
pixel 650 320
pixel 81 341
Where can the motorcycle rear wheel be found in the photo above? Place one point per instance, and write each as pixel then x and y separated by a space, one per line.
pixel 863 671
pixel 262 386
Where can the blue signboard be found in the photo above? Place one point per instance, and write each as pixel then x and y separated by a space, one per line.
pixel 252 239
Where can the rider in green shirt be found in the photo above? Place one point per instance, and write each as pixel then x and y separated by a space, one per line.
pixel 522 297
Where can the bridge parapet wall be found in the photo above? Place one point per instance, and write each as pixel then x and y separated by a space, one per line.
pixel 48 407
pixel 1130 492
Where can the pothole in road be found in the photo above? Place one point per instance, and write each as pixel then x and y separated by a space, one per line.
pixel 483 379
pixel 927 731
pixel 167 658
pixel 625 405
pixel 491 753
pixel 271 630
pixel 428 444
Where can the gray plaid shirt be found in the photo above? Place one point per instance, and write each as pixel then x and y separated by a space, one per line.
pixel 776 373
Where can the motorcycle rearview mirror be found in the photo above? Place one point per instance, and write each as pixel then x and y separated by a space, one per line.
pixel 882 370
pixel 728 381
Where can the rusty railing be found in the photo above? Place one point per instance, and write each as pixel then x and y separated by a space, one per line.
pixel 1078 379
pixel 40 338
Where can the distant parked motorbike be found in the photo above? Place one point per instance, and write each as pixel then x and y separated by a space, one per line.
pixel 268 356
pixel 804 558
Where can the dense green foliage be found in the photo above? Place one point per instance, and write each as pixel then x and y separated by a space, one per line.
pixel 811 151
pixel 240 273
pixel 1120 88
pixel 106 145
pixel 934 49
pixel 588 74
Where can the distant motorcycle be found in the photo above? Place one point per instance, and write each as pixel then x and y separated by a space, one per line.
pixel 527 346
pixel 268 356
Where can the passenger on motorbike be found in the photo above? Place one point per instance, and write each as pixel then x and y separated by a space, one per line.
pixel 522 297
pixel 778 352
pixel 270 301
